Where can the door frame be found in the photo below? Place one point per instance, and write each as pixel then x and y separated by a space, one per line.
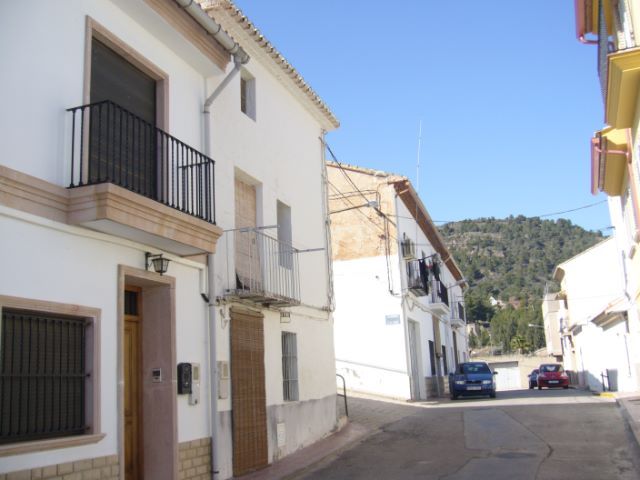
pixel 160 457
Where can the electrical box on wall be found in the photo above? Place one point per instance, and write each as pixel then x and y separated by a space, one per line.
pixel 223 380
pixel 194 396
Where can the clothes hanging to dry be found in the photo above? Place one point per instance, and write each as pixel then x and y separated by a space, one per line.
pixel 424 274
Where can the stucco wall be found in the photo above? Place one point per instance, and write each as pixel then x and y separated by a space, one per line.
pixel 63 264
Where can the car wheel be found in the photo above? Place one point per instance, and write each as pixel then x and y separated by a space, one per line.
pixel 539 387
pixel 453 396
pixel 492 394
pixel 565 387
pixel 531 386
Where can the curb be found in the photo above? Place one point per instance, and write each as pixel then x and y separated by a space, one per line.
pixel 634 425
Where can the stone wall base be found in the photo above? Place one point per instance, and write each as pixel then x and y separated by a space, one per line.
pixel 101 468
pixel 194 462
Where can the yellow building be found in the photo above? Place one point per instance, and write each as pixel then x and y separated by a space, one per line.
pixel 613 27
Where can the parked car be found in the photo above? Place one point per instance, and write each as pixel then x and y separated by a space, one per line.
pixel 533 378
pixel 552 375
pixel 472 378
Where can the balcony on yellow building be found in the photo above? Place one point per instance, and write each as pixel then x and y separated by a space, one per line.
pixel 609 154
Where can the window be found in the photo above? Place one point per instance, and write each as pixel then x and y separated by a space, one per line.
pixel 289 366
pixel 45 382
pixel 285 236
pixel 248 95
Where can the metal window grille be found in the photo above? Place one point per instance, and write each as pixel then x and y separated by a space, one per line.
pixel 289 366
pixel 42 376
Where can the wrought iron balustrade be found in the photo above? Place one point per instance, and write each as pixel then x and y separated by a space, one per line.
pixel 439 292
pixel 266 269
pixel 457 312
pixel 417 282
pixel 112 145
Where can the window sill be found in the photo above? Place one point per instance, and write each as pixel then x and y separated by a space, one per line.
pixel 42 445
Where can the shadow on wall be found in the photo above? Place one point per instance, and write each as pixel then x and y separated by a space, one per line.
pixel 606 381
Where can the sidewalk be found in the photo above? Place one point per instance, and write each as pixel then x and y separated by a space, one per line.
pixel 630 405
pixel 309 456
pixel 367 414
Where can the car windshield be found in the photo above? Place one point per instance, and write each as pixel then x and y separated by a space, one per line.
pixel 475 368
pixel 551 368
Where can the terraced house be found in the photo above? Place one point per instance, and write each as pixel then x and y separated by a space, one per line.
pixel 165 288
pixel 400 323
pixel 612 27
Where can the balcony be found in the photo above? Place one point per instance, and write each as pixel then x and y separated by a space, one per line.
pixel 609 154
pixel 458 317
pixel 266 270
pixel 417 278
pixel 439 297
pixel 131 179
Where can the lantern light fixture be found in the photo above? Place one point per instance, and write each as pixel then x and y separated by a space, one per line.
pixel 160 264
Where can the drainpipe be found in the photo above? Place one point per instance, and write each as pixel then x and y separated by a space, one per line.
pixel 213 28
pixel 240 57
pixel 327 225
pixel 213 356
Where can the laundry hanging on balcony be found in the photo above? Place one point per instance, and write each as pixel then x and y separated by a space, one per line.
pixel 424 274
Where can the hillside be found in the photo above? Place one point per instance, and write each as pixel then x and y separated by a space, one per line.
pixel 511 260
pixel 513 257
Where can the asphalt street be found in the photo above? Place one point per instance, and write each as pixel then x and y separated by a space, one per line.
pixel 523 434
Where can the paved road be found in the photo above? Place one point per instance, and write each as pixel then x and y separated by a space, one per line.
pixel 546 435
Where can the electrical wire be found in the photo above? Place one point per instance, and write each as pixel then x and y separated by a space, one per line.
pixel 344 172
pixel 531 216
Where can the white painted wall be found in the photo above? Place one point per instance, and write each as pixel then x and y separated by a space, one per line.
pixel 44 46
pixel 370 354
pixel 592 279
pixel 46 77
pixel 59 263
pixel 373 356
pixel 408 226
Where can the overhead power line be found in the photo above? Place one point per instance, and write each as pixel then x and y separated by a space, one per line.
pixel 538 216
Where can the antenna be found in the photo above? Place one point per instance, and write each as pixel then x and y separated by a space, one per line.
pixel 418 162
pixel 418 174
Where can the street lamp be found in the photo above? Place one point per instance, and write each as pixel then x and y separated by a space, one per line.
pixel 533 325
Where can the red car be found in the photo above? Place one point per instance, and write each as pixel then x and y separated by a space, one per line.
pixel 552 375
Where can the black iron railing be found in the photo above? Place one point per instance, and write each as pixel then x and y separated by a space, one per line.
pixel 111 145
pixel 457 311
pixel 417 281
pixel 439 292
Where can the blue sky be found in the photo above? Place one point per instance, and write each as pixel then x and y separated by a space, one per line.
pixel 508 98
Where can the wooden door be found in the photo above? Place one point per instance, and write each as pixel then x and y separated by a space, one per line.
pixel 248 393
pixel 247 245
pixel 132 385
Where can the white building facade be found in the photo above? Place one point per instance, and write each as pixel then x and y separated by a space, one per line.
pixel 597 341
pixel 399 321
pixel 222 363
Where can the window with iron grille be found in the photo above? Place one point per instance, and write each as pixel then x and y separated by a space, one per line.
pixel 289 366
pixel 42 375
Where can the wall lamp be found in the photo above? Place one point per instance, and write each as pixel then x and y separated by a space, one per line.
pixel 160 264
